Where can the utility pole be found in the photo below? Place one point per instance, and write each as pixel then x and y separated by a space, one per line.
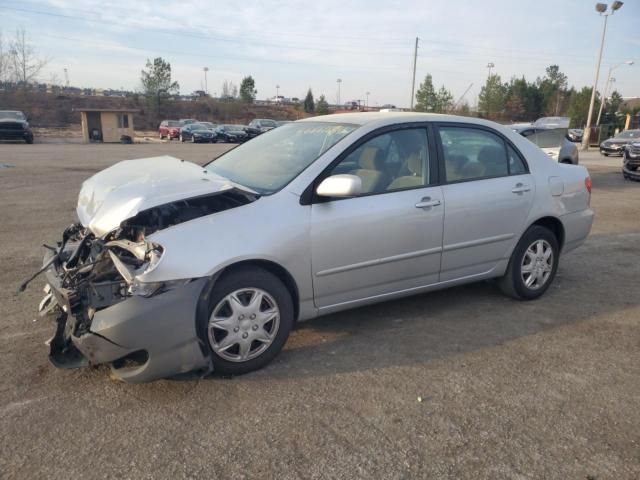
pixel 413 82
pixel 277 93
pixel 366 105
pixel 66 78
pixel 455 105
pixel 206 89
pixel 338 81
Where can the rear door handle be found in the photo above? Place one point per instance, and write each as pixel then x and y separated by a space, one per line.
pixel 427 202
pixel 521 188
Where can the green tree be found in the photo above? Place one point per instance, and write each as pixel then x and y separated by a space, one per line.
pixel 309 105
pixel 444 100
pixel 579 107
pixel 426 97
pixel 248 89
pixel 491 100
pixel 156 82
pixel 322 106
pixel 553 88
pixel 156 78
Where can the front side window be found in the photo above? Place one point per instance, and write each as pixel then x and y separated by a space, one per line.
pixel 392 161
pixel 471 153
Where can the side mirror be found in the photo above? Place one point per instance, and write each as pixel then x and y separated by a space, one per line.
pixel 340 186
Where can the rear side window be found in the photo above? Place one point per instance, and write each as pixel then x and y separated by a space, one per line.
pixel 516 165
pixel 471 154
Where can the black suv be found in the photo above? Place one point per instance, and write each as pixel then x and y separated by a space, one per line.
pixel 14 126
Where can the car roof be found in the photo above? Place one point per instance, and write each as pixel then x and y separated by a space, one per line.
pixel 381 119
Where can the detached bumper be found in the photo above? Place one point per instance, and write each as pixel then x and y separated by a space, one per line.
pixel 143 339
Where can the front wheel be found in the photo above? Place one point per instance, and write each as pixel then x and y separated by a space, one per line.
pixel 532 266
pixel 181 138
pixel 249 317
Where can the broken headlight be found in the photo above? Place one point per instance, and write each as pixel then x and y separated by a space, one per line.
pixel 149 289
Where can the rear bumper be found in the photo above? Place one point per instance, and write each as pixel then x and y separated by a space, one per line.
pixel 577 226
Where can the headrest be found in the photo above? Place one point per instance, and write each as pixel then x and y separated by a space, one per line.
pixel 491 154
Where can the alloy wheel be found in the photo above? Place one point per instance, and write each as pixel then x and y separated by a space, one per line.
pixel 537 264
pixel 243 324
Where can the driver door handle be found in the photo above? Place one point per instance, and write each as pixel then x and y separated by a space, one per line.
pixel 427 202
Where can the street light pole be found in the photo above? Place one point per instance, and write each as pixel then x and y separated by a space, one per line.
pixel 277 93
pixel 490 65
pixel 338 81
pixel 206 89
pixel 606 86
pixel 366 105
pixel 413 81
pixel 601 8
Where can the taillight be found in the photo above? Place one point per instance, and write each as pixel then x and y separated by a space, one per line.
pixel 587 184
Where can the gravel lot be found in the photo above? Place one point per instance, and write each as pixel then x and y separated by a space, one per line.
pixel 545 389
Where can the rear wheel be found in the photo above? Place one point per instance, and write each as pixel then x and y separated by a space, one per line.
pixel 181 138
pixel 605 154
pixel 29 139
pixel 532 266
pixel 249 317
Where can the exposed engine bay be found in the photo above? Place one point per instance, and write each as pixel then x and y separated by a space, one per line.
pixel 86 273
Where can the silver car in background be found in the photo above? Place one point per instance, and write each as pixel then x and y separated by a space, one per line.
pixel 555 142
pixel 174 268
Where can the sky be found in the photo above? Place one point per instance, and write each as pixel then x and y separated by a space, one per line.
pixel 297 45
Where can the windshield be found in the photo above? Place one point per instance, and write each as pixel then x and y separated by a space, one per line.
pixel 270 161
pixel 12 116
pixel 629 134
pixel 268 123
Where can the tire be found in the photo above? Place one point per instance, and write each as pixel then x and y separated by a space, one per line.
pixel 29 140
pixel 193 139
pixel 606 154
pixel 513 282
pixel 181 138
pixel 245 280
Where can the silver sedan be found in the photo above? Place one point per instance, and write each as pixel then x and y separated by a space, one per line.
pixel 175 268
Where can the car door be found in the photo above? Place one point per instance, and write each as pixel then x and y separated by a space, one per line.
pixel 387 239
pixel 487 192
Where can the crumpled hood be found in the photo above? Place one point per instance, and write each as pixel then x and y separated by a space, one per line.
pixel 131 186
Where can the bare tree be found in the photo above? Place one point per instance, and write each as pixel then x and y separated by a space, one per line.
pixel 4 61
pixel 24 60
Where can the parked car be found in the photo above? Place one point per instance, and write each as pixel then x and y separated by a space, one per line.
pixel 169 129
pixel 209 125
pixel 553 141
pixel 174 267
pixel 632 156
pixel 231 133
pixel 615 145
pixel 252 132
pixel 575 134
pixel 198 133
pixel 14 126
pixel 263 124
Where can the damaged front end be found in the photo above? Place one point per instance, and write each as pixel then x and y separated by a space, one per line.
pixel 86 274
pixel 105 310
